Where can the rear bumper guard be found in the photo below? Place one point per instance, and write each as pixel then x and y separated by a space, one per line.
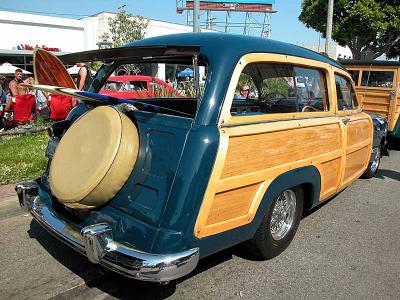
pixel 97 243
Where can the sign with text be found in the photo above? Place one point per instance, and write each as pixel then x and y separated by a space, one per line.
pixel 29 47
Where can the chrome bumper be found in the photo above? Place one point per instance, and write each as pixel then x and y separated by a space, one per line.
pixel 96 242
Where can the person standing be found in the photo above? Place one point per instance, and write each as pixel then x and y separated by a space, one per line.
pixel 14 84
pixel 84 76
pixel 3 95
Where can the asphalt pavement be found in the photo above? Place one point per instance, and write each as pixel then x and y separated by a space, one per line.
pixel 347 248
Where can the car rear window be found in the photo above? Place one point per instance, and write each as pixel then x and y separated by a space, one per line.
pixel 377 79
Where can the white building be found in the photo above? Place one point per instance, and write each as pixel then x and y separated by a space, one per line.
pixel 335 51
pixel 22 32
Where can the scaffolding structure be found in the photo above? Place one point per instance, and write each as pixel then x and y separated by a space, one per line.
pixel 249 17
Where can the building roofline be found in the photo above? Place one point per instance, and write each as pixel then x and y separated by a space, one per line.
pixel 352 62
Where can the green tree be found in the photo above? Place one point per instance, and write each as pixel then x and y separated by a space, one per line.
pixel 124 28
pixel 369 28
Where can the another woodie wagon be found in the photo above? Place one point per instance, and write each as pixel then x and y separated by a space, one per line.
pixel 148 187
pixel 378 88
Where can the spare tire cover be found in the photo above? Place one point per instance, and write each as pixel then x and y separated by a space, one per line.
pixel 94 158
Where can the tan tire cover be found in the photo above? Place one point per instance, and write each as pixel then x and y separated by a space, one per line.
pixel 94 158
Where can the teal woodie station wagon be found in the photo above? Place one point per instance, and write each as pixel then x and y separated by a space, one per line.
pixel 147 187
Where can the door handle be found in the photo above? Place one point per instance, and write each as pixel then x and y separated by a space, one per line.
pixel 345 121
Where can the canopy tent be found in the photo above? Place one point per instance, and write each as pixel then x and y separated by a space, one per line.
pixel 186 73
pixel 9 69
pixel 75 69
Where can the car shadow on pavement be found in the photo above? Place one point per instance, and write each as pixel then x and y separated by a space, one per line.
pixel 384 173
pixel 111 283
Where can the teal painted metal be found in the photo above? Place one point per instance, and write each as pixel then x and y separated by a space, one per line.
pixel 380 129
pixel 396 131
pixel 162 139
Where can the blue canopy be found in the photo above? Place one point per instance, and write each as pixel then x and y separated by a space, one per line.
pixel 186 73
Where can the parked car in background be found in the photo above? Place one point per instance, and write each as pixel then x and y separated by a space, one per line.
pixel 148 187
pixel 136 86
pixel 378 88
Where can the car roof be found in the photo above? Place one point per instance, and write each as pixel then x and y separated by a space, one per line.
pixel 232 45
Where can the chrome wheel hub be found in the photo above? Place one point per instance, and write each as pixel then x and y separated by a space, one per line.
pixel 283 215
pixel 375 162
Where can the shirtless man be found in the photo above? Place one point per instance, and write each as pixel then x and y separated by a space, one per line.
pixel 14 85
pixel 83 76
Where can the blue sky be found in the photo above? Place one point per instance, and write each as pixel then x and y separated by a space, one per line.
pixel 285 24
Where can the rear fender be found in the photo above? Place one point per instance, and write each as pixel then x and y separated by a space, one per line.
pixel 305 175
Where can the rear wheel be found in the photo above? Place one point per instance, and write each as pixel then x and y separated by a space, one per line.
pixel 279 224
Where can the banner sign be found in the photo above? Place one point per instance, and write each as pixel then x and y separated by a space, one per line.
pixel 29 47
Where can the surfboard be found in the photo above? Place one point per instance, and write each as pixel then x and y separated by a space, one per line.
pixel 51 76
pixel 102 99
pixel 49 70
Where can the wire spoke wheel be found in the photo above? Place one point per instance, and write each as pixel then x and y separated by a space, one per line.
pixel 283 215
pixel 279 224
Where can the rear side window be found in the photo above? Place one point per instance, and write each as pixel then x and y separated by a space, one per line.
pixel 377 79
pixel 265 88
pixel 346 96
pixel 354 75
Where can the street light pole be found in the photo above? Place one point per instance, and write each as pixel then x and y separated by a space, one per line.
pixel 196 16
pixel 329 26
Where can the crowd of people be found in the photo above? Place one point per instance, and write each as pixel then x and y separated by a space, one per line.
pixel 14 88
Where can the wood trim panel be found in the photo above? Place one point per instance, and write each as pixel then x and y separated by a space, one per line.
pixel 330 171
pixel 359 139
pixel 356 165
pixel 247 154
pixel 357 132
pixel 271 173
pixel 231 204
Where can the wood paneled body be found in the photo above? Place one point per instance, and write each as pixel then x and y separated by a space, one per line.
pixel 359 132
pixel 231 204
pixel 380 102
pixel 255 155
pixel 254 150
pixel 252 153
pixel 374 100
pixel 330 171
pixel 384 101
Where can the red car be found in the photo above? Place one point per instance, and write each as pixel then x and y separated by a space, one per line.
pixel 137 86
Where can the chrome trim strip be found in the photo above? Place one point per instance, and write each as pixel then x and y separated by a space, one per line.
pixel 113 255
pixel 274 121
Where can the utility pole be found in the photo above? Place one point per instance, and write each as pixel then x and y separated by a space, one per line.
pixel 196 16
pixel 329 26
